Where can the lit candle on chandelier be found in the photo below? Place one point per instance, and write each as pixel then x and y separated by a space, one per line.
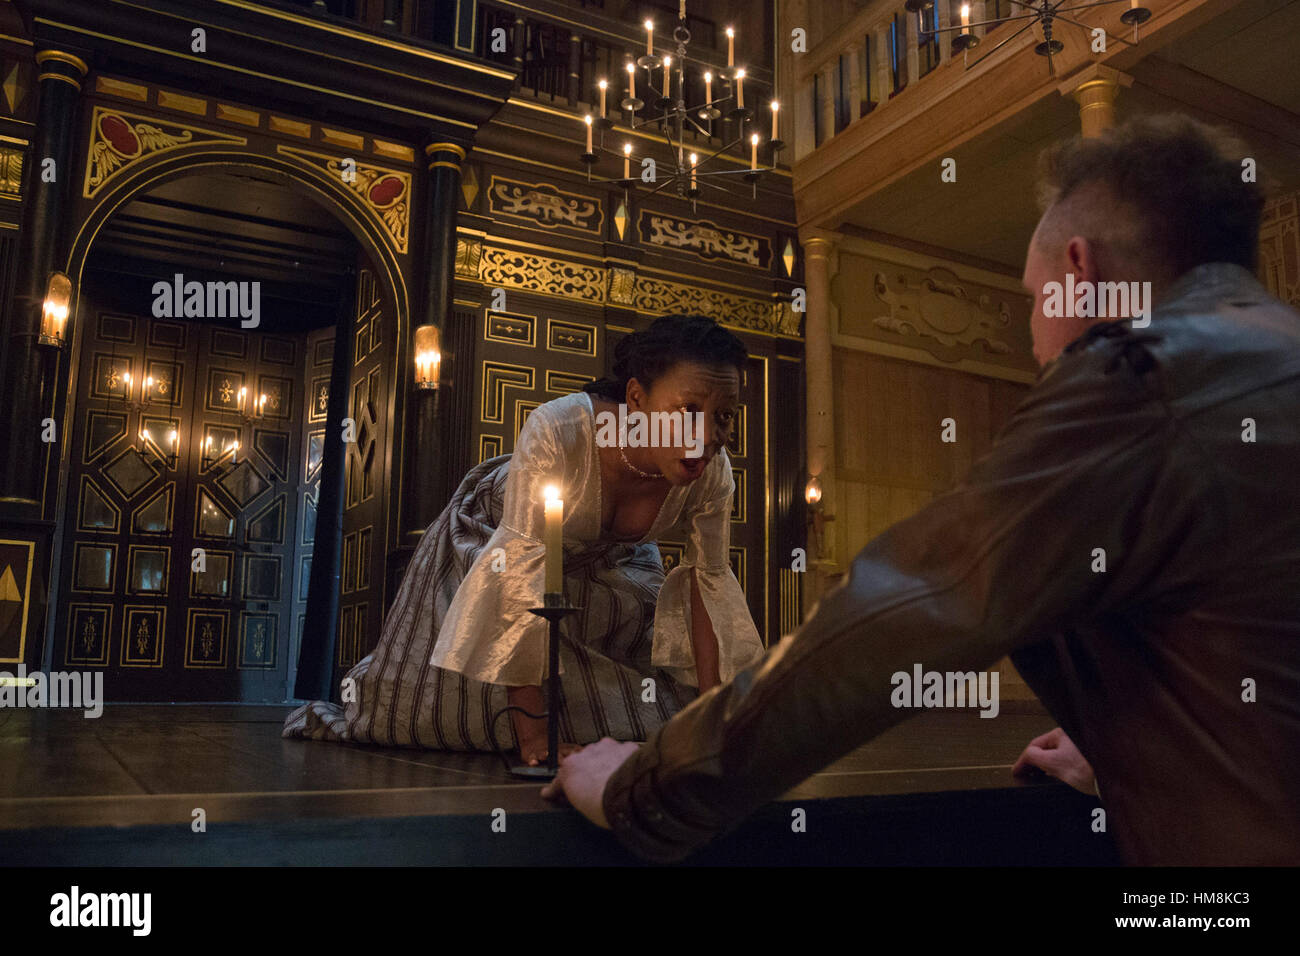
pixel 668 62
pixel 681 10
pixel 631 80
pixel 965 19
pixel 708 88
pixel 627 160
pixel 775 106
pixel 740 89
pixel 694 159
pixel 602 84
pixel 587 120
pixel 731 47
pixel 553 540
pixel 649 38
pixel 753 151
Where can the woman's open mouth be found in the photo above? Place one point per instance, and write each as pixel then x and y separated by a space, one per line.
pixel 693 467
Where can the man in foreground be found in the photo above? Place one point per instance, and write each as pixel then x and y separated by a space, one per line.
pixel 1132 539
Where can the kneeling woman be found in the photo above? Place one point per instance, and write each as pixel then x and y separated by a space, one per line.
pixel 459 641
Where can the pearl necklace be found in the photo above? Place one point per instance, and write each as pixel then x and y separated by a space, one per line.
pixel 643 474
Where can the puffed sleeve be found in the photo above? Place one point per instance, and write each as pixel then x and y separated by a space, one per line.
pixel 707 549
pixel 488 632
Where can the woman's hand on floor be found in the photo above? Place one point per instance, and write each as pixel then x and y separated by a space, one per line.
pixel 1055 754
pixel 583 775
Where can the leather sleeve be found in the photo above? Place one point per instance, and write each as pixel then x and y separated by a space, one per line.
pixel 1005 559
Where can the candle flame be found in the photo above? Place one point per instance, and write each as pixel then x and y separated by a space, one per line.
pixel 587 119
pixel 740 74
pixel 730 32
pixel 631 67
pixel 650 25
pixel 775 106
pixel 754 138
pixel 694 159
pixel 602 84
pixel 627 149
pixel 551 492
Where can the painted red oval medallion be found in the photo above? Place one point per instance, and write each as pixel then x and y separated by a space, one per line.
pixel 119 133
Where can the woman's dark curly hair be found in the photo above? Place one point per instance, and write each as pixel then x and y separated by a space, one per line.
pixel 670 339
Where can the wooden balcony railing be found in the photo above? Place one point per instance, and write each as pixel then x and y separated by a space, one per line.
pixel 560 50
pixel 872 58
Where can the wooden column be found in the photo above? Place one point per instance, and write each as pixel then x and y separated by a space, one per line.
pixel 820 407
pixel 30 370
pixel 827 104
pixel 1095 89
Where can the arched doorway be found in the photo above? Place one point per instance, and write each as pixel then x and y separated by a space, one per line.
pixel 208 302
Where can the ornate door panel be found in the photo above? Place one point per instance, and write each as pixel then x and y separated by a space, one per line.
pixel 183 495
pixel 361 598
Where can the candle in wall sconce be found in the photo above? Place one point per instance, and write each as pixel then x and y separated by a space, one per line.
pixel 668 62
pixel 965 19
pixel 627 160
pixel 148 387
pixel 261 406
pixel 587 119
pixel 242 392
pixel 740 89
pixel 174 438
pixel 553 540
pixel 731 47
pixel 126 385
pixel 753 151
pixel 428 354
pixel 603 86
pixel 234 452
pixel 775 107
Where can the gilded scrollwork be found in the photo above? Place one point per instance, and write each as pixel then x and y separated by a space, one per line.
pixel 706 239
pixel 544 205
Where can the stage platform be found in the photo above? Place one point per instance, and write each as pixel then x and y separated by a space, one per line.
pixel 121 790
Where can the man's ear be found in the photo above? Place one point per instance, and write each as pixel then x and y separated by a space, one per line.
pixel 635 394
pixel 1081 258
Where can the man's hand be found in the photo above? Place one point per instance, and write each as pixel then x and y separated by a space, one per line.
pixel 1055 754
pixel 582 777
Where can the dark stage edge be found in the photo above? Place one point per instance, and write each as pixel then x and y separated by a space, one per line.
pixel 121 790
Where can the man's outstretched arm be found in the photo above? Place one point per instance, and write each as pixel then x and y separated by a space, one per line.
pixel 1005 559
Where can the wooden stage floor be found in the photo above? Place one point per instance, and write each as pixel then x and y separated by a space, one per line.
pixel 122 790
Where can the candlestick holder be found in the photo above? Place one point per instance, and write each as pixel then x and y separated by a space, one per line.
pixel 555 608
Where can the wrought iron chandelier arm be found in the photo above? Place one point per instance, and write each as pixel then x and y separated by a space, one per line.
pixel 1058 9
pixel 982 23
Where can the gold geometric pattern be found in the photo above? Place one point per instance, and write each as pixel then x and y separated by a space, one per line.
pixel 659 296
pixel 497 377
pixel 143 631
pixel 543 274
pixel 385 193
pixel 119 140
pixel 205 638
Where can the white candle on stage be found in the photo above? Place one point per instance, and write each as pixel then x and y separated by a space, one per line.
pixel 649 38
pixel 553 540
pixel 753 151
pixel 602 84
pixel 731 47
pixel 587 120
pixel 775 106
pixel 740 89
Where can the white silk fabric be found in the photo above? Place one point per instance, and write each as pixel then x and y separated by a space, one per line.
pixel 488 632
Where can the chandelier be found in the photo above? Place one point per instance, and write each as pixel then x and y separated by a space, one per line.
pixel 687 172
pixel 1045 13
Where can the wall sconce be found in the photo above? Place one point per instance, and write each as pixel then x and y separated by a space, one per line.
pixel 428 357
pixel 818 517
pixel 54 310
